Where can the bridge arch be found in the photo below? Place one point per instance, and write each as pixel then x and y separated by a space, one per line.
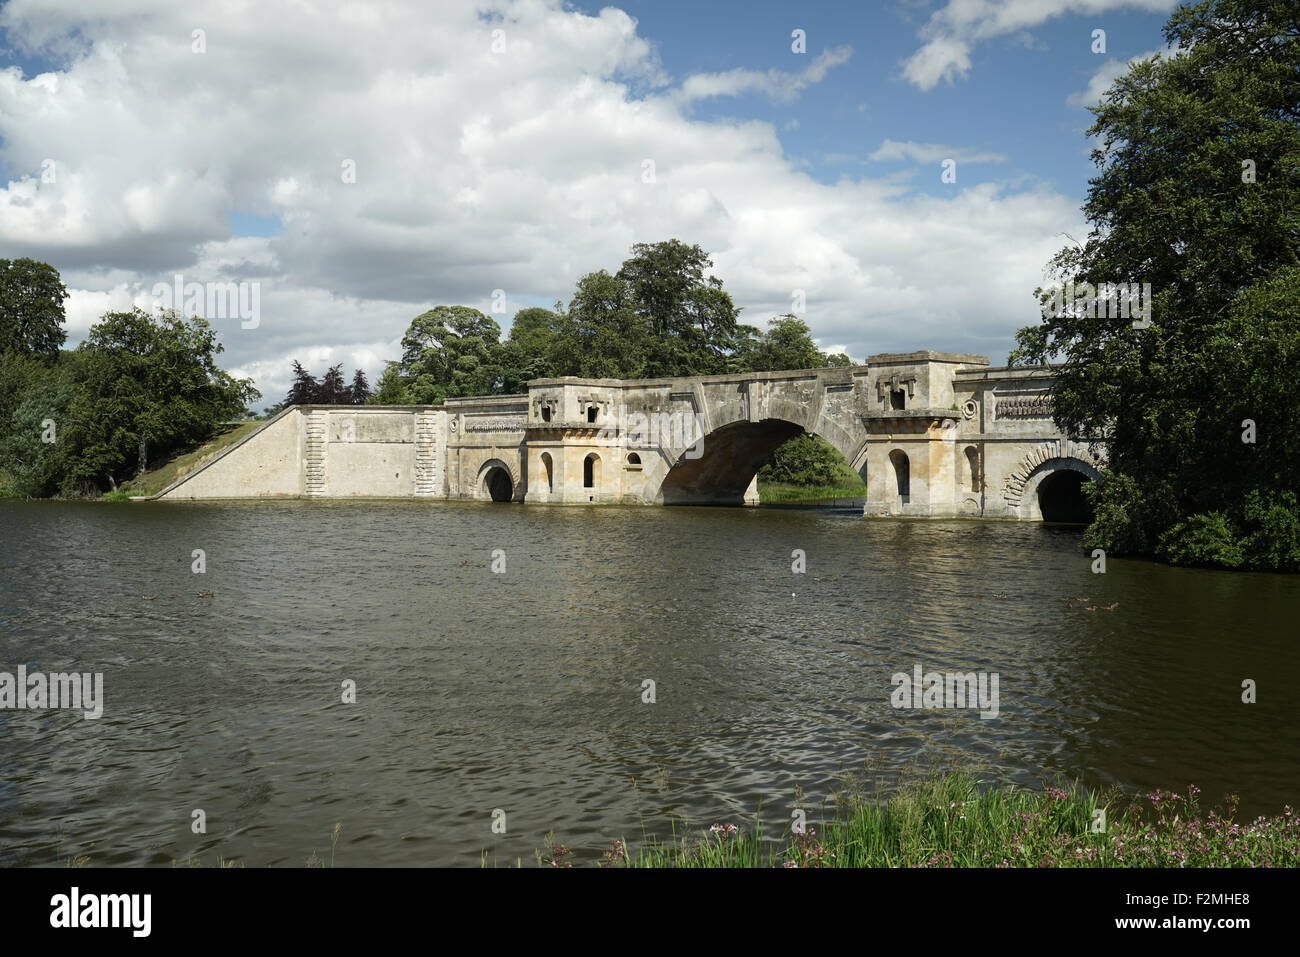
pixel 718 469
pixel 496 482
pixel 1053 491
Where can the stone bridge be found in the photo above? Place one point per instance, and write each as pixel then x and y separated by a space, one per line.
pixel 932 434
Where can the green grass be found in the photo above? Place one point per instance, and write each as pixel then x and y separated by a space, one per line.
pixel 778 493
pixel 155 480
pixel 955 820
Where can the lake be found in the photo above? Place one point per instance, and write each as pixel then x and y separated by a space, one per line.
pixel 522 689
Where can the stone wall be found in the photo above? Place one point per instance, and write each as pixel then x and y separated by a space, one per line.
pixel 933 435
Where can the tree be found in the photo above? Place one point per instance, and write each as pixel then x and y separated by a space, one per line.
pixel 787 344
pixel 333 390
pixel 690 323
pixel 805 460
pixel 150 385
pixel 1198 195
pixel 359 391
pixel 392 388
pixel 305 390
pixel 34 397
pixel 602 334
pixel 451 351
pixel 31 308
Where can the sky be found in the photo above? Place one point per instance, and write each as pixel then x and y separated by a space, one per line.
pixel 355 164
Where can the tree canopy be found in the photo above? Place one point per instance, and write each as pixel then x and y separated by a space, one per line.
pixel 31 308
pixel 1198 195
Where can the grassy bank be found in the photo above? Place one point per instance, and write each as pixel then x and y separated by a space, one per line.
pixel 777 493
pixel 952 821
pixel 162 475
pixel 155 480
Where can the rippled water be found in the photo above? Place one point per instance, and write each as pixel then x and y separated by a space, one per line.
pixel 522 691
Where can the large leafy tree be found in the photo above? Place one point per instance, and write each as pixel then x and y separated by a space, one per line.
pixel 451 351
pixel 1198 194
pixel 31 307
pixel 690 322
pixel 34 395
pixel 786 344
pixel 150 386
pixel 602 334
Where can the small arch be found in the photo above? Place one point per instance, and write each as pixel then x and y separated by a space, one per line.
pixel 497 484
pixel 548 469
pixel 902 475
pixel 496 481
pixel 973 477
pixel 591 471
pixel 1061 498
pixel 1053 492
pixel 633 460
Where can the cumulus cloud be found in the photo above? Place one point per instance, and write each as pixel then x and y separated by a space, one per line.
pixel 931 153
pixel 475 171
pixel 1105 75
pixel 777 85
pixel 954 30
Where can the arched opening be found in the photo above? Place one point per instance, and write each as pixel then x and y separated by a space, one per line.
pixel 548 470
pixel 633 461
pixel 902 475
pixel 972 468
pixel 718 469
pixel 498 484
pixel 1061 498
pixel 591 471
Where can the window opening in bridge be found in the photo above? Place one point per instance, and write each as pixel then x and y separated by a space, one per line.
pixel 547 468
pixel 590 471
pixel 546 413
pixel 633 461
pixel 973 468
pixel 902 474
pixel 897 399
pixel 591 413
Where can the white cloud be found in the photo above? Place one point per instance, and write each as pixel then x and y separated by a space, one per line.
pixel 953 31
pixel 1105 75
pixel 475 171
pixel 931 153
pixel 777 85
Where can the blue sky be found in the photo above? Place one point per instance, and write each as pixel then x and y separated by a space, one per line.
pixel 518 165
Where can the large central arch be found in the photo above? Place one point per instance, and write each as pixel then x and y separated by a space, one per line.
pixel 728 459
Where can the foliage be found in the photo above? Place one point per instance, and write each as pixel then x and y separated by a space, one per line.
pixel 804 460
pixel 1207 539
pixel 1172 207
pixel 451 351
pixel 33 393
pixel 329 390
pixel 31 308
pixel 150 386
pixel 787 344
pixel 956 820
